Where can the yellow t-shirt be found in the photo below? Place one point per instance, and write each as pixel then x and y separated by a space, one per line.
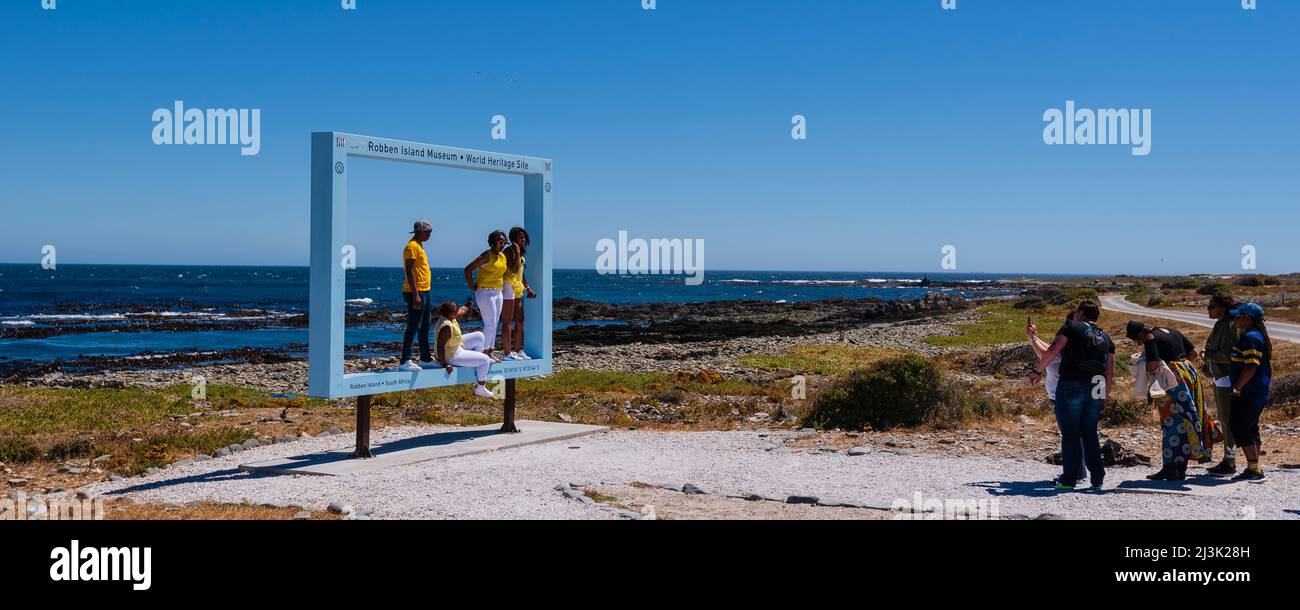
pixel 516 279
pixel 415 252
pixel 453 341
pixel 492 274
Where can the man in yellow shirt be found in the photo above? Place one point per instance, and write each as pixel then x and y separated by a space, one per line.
pixel 415 291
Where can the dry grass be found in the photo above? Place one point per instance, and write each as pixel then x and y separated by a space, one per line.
pixel 127 510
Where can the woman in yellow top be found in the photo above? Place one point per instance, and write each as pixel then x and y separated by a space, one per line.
pixel 457 350
pixel 491 268
pixel 516 287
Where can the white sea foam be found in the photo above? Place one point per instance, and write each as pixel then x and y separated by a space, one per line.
pixel 70 316
pixel 366 301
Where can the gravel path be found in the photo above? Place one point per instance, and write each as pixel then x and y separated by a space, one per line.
pixel 520 483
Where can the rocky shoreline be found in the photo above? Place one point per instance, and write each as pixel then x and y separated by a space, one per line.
pixel 675 338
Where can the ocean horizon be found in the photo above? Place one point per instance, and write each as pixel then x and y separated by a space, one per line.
pixel 48 312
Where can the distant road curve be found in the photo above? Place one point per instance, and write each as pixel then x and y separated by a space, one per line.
pixel 1117 303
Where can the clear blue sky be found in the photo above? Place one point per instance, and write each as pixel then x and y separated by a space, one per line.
pixel 925 129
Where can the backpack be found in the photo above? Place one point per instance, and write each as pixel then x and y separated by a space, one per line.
pixel 1095 351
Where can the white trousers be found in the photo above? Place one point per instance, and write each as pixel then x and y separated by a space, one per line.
pixel 468 355
pixel 489 305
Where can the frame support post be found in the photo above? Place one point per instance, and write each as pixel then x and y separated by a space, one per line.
pixel 363 428
pixel 509 425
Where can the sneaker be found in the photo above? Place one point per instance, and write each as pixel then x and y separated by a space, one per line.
pixel 513 356
pixel 1251 476
pixel 1226 467
pixel 411 366
pixel 1064 487
pixel 483 391
pixel 523 356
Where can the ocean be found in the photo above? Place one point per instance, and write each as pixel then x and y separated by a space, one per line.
pixel 115 299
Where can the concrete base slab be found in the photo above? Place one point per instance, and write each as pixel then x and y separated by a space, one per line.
pixel 455 443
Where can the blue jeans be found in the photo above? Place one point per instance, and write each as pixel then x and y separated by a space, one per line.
pixel 1058 423
pixel 417 320
pixel 1077 413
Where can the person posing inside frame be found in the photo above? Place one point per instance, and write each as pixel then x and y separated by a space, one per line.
pixel 455 349
pixel 415 292
pixel 514 290
pixel 491 270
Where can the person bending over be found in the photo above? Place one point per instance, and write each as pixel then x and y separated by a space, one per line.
pixel 1187 430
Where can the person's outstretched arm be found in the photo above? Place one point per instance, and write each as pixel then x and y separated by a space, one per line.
pixel 1048 356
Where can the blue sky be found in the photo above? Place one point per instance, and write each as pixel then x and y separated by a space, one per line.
pixel 924 129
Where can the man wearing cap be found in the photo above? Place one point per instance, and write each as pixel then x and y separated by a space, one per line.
pixel 1251 375
pixel 415 291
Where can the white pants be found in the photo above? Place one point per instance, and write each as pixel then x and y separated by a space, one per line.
pixel 468 355
pixel 489 305
pixel 508 291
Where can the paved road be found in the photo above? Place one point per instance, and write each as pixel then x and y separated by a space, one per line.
pixel 1114 302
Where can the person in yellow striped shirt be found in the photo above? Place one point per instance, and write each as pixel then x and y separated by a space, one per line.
pixel 1251 375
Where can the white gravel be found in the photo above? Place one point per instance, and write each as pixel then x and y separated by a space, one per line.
pixel 519 483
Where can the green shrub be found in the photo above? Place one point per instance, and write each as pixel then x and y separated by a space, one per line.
pixel 902 391
pixel 1183 284
pixel 71 449
pixel 1053 295
pixel 1030 303
pixel 19 450
pixel 1212 289
pixel 1256 281
pixel 1120 412
pixel 1154 300
pixel 1085 294
pixel 1285 389
pixel 984 406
